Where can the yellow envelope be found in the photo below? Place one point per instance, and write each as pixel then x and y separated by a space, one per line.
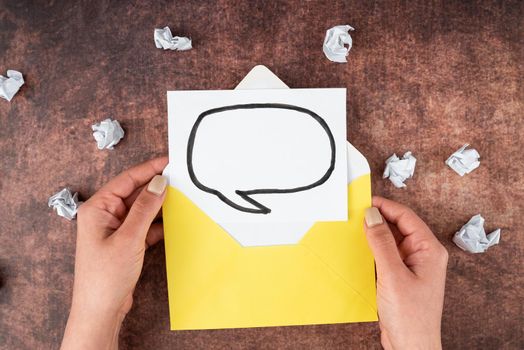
pixel 214 282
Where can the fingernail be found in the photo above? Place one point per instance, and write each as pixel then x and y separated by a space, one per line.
pixel 373 217
pixel 158 185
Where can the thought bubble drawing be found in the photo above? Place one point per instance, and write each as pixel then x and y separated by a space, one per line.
pixel 234 137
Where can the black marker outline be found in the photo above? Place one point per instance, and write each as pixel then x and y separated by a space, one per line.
pixel 245 194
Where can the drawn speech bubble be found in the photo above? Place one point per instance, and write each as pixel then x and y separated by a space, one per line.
pixel 235 144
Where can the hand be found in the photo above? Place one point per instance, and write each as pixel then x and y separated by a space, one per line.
pixel 115 227
pixel 411 273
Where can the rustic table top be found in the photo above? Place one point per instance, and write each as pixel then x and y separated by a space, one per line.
pixel 426 77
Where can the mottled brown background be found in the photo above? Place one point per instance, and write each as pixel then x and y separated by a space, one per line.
pixel 425 76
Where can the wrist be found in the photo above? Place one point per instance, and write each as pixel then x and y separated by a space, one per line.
pixel 92 329
pixel 434 345
pixel 403 339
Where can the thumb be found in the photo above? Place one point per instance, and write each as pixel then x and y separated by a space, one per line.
pixel 382 243
pixel 145 208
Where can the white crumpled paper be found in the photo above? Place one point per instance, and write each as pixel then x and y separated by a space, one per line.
pixel 107 133
pixel 464 161
pixel 334 42
pixel 9 86
pixel 399 170
pixel 65 204
pixel 165 40
pixel 473 238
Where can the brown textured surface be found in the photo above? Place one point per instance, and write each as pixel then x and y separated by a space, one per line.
pixel 425 77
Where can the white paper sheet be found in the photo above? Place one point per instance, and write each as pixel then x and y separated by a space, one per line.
pixel 107 133
pixel 399 170
pixel 165 40
pixel 464 161
pixel 473 238
pixel 337 43
pixel 278 233
pixel 261 147
pixel 10 85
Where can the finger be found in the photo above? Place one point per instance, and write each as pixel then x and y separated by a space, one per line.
pixel 407 249
pixel 399 237
pixel 155 234
pixel 128 181
pixel 95 223
pixel 108 202
pixel 131 199
pixel 406 220
pixel 382 244
pixel 144 209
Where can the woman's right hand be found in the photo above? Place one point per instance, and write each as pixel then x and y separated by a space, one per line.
pixel 411 274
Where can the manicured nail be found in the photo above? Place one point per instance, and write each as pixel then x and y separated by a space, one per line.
pixel 157 186
pixel 373 217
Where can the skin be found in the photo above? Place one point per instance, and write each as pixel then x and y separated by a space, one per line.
pixel 117 225
pixel 411 273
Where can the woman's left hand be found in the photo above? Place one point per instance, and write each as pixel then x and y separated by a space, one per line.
pixel 115 227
